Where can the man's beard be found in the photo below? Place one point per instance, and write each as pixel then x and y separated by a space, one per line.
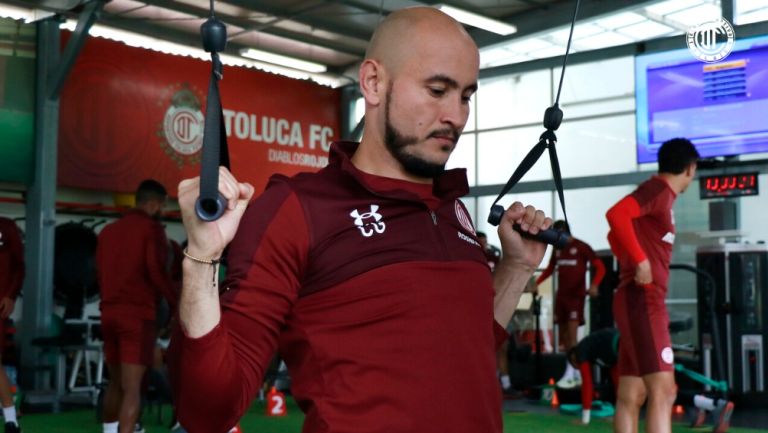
pixel 397 144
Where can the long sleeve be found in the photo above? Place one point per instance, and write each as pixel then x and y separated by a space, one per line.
pixel 622 236
pixel 215 377
pixel 548 270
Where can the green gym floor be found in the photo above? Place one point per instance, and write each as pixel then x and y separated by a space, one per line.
pixel 84 421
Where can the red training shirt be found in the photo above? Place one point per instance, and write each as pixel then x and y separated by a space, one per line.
pixel 131 262
pixel 643 226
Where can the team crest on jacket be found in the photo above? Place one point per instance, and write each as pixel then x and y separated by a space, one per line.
pixel 463 218
pixel 369 222
pixel 181 131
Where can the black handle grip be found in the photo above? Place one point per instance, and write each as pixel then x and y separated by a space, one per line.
pixel 549 236
pixel 210 209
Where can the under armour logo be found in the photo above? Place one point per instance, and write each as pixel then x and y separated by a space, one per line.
pixel 369 222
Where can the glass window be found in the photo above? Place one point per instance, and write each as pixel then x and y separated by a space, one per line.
pixel 750 11
pixel 513 100
pixel 500 152
pixel 596 80
pixel 597 146
pixel 574 110
pixel 586 212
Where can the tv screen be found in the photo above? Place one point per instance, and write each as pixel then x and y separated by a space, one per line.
pixel 721 107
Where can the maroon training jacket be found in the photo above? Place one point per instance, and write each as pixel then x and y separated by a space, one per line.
pixel 381 306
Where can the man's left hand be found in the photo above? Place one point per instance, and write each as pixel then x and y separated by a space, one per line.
pixel 517 250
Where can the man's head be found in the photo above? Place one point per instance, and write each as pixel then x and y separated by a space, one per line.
pixel 150 197
pixel 678 158
pixel 420 70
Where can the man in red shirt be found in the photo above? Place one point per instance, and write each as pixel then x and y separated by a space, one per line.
pixel 11 280
pixel 492 254
pixel 131 260
pixel 642 234
pixel 367 276
pixel 571 262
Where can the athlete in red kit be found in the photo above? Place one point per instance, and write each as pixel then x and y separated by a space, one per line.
pixel 642 234
pixel 572 263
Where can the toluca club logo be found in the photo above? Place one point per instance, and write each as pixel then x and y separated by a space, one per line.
pixel 181 131
pixel 369 222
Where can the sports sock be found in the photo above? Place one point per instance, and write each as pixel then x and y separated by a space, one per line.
pixel 703 402
pixel 110 427
pixel 9 413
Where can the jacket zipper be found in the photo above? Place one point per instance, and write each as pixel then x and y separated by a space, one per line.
pixel 439 235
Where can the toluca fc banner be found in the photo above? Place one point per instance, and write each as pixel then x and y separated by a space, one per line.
pixel 129 114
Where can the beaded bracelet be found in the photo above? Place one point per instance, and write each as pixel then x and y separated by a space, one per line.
pixel 212 262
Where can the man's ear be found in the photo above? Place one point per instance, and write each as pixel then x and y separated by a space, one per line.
pixel 372 86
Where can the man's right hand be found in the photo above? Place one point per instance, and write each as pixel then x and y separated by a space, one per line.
pixel 643 273
pixel 207 240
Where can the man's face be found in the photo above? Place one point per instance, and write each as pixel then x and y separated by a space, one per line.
pixel 690 174
pixel 156 208
pixel 426 108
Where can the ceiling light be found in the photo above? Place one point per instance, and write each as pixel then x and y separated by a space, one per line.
pixel 15 13
pixel 478 21
pixel 167 47
pixel 278 59
pixel 622 19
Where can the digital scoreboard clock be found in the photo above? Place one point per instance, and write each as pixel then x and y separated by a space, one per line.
pixel 728 185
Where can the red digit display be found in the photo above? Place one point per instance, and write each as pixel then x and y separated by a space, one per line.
pixel 728 185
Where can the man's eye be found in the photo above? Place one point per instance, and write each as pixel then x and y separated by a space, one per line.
pixel 436 91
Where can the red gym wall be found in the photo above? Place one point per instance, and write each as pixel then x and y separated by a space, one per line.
pixel 128 114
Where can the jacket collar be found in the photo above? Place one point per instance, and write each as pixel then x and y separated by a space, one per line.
pixel 450 185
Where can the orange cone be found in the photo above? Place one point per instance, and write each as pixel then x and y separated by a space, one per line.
pixel 555 401
pixel 276 403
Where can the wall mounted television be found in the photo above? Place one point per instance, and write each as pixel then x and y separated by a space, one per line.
pixel 721 107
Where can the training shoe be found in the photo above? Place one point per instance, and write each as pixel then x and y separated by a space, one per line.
pixel 569 382
pixel 722 416
pixel 139 428
pixel 699 419
pixel 12 427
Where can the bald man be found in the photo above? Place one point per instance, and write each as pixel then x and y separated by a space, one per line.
pixel 366 276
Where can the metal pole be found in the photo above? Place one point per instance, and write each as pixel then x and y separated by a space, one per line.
pixel 40 207
pixel 50 75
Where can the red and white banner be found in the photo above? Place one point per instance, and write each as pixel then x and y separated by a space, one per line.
pixel 129 114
